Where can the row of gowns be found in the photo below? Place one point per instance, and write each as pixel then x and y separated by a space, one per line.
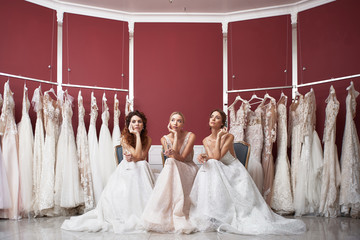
pixel 50 172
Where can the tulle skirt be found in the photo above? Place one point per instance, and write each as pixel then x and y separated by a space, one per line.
pixel 107 153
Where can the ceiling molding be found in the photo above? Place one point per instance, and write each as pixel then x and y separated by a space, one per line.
pixel 186 17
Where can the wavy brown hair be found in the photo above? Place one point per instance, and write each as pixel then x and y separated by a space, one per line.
pixel 222 114
pixel 130 138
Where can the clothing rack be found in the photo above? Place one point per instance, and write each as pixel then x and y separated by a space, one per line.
pixel 62 84
pixel 258 89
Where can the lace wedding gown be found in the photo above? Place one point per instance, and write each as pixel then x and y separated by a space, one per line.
pixel 68 190
pixel 39 140
pixel 169 204
pixel 116 134
pixel 238 121
pixel 108 163
pixel 331 177
pixel 255 137
pixel 270 124
pixel 350 160
pixel 26 146
pixel 122 202
pixel 94 151
pixel 84 157
pixel 225 198
pixel 282 199
pixel 10 144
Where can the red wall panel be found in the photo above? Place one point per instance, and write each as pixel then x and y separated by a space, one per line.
pixel 178 67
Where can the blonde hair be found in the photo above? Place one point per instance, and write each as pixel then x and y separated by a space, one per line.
pixel 179 113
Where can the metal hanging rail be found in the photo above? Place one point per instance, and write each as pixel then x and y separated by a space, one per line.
pixel 27 78
pixel 258 89
pixel 329 80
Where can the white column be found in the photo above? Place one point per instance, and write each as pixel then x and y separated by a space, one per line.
pixel 294 54
pixel 60 17
pixel 131 64
pixel 225 66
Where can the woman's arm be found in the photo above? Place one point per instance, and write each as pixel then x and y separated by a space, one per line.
pixel 138 153
pixel 188 149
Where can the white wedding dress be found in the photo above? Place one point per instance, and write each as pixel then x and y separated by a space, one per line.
pixel 282 199
pixel 116 134
pixel 122 202
pixel 26 146
pixel 94 151
pixel 84 157
pixel 350 160
pixel 238 121
pixel 169 204
pixel 106 149
pixel 225 198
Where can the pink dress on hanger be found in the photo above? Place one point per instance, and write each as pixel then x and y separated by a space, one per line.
pixel 10 144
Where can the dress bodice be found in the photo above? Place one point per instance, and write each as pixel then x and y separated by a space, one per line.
pixel 228 158
pixel 331 111
pixel 309 112
pixel 1 101
pixel 67 112
pixel 282 129
pixel 105 116
pixel 116 111
pixel 37 102
pixel 94 110
pixel 238 120
pixel 26 103
pixel 81 109
pixel 7 118
pixel 182 148
pixel 255 117
pixel 351 100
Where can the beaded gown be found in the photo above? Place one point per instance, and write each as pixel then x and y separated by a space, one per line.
pixel 238 121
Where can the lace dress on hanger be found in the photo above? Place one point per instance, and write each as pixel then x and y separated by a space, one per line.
pixel 108 163
pixel 296 128
pixel 350 160
pixel 282 199
pixel 84 158
pixel 26 146
pixel 10 144
pixel 39 140
pixel 255 137
pixel 270 124
pixel 116 134
pixel 5 200
pixel 238 121
pixel 68 190
pixel 308 178
pixel 331 177
pixel 225 199
pixel 168 207
pixel 94 151
pixel 122 202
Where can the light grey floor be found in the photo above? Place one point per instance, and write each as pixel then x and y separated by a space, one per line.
pixel 49 228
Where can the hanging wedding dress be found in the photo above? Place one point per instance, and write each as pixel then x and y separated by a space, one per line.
pixel 94 151
pixel 169 204
pixel 84 157
pixel 39 139
pixel 10 144
pixel 282 199
pixel 308 178
pixel 350 160
pixel 270 124
pixel 255 137
pixel 5 200
pixel 224 198
pixel 331 177
pixel 68 190
pixel 26 148
pixel 116 134
pixel 238 121
pixel 122 202
pixel 108 163
pixel 295 133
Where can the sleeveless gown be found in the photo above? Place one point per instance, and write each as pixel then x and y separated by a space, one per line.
pixel 169 204
pixel 238 121
pixel 224 198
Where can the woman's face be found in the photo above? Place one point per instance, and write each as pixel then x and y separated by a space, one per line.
pixel 176 122
pixel 215 120
pixel 137 123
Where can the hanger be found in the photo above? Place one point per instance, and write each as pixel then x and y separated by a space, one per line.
pixel 238 98
pixel 254 96
pixel 351 86
pixel 52 91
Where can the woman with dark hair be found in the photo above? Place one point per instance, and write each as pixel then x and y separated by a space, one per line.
pixel 224 197
pixel 169 204
pixel 124 198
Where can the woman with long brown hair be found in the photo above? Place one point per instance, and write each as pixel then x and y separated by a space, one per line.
pixel 123 199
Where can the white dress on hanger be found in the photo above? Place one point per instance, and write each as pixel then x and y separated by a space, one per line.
pixel 225 199
pixel 94 151
pixel 116 134
pixel 26 148
pixel 282 199
pixel 68 190
pixel 238 121
pixel 255 137
pixel 108 163
pixel 10 144
pixel 350 160
pixel 122 202
pixel 84 157
pixel 331 177
pixel 39 140
pixel 5 200
pixel 169 204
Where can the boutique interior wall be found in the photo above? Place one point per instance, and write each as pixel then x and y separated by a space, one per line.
pixel 178 66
